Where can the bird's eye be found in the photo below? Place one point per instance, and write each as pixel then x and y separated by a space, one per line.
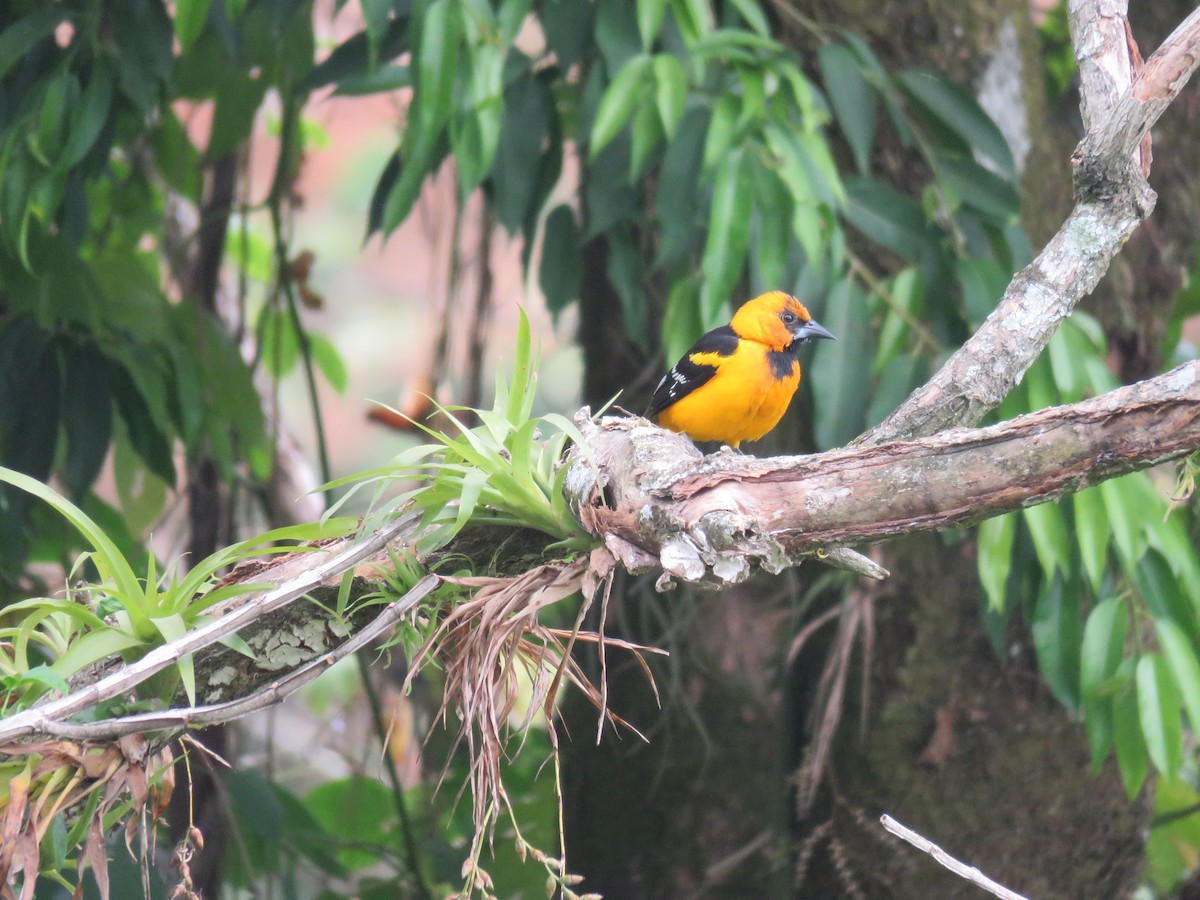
pixel 789 318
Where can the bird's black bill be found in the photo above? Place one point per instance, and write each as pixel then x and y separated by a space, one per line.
pixel 811 329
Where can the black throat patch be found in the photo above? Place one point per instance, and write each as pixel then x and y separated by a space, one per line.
pixel 781 362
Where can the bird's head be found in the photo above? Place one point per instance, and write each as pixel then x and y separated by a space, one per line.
pixel 778 320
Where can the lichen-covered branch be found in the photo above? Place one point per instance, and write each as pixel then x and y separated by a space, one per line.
pixel 719 517
pixel 289 581
pixel 1112 198
pixel 246 702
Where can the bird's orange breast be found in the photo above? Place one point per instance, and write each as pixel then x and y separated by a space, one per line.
pixel 745 399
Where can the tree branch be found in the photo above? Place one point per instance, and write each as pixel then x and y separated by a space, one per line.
pixel 720 516
pixel 270 694
pixel 961 869
pixel 1112 199
pixel 251 607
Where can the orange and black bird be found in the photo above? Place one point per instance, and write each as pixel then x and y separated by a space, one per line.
pixel 736 382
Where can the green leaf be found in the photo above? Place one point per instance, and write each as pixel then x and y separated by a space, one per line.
pixel 173 628
pixel 517 408
pixel 90 115
pixel 1171 539
pixel 359 810
pixel 625 271
pixel 1066 353
pixel 93 647
pixel 560 270
pixel 754 95
pixel 682 323
pixel 279 347
pixel 415 162
pixel 1100 657
pixel 87 417
pixel 46 677
pixel 1175 829
pixel 569 27
pixel 237 101
pixel 58 101
pixel 1039 383
pixel 677 200
pixel 728 234
pixel 1049 531
pixel 256 803
pixel 511 18
pixel 328 361
pixel 144 53
pixel 375 16
pixel 957 110
pixel 671 91
pixel 620 99
pixel 19 37
pixel 752 15
pixel 902 305
pixel 1180 654
pixel 31 441
pixel 646 135
pixel 378 81
pixel 611 200
pixel 822 170
pixel 996 537
pixel 888 218
pixel 1163 593
pixel 148 432
pixel 1103 645
pixel 854 102
pixel 1092 533
pixel 1131 746
pixel 616 35
pixel 528 109
pixel 437 64
pixel 190 16
pixel 841 382
pixel 772 243
pixel 350 63
pixel 694 17
pixel 1158 709
pixel 141 493
pixel 721 129
pixel 475 131
pixel 978 188
pixel 1057 636
pixel 899 378
pixel 983 282
pixel 649 20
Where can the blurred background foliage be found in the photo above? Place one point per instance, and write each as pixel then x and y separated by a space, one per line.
pixel 649 163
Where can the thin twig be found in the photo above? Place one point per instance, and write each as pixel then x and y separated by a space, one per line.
pixel 268 695
pixel 408 842
pixel 41 719
pixel 962 870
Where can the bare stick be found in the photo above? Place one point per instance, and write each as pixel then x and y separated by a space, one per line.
pixel 275 692
pixel 962 870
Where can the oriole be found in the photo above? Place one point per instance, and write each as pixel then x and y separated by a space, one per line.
pixel 736 382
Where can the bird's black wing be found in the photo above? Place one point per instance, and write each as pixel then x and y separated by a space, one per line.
pixel 685 376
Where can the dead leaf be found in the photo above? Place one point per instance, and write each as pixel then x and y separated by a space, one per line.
pixel 942 745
